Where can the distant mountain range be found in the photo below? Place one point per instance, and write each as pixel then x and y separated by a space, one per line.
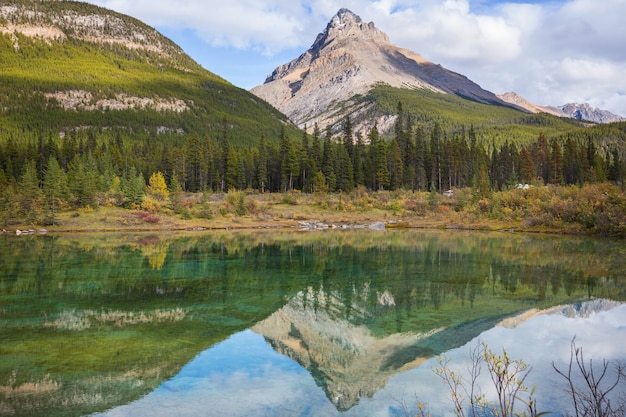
pixel 583 112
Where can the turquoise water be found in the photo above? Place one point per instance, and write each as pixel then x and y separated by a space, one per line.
pixel 290 323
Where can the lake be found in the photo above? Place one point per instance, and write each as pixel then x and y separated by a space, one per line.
pixel 294 323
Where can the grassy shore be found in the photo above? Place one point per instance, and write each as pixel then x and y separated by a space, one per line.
pixel 598 209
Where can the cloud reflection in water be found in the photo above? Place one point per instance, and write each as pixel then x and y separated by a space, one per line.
pixel 243 376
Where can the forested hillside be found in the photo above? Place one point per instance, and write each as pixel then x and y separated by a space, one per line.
pixel 71 66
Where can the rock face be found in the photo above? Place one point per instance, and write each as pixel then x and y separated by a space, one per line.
pixel 520 101
pixel 83 22
pixel 583 112
pixel 590 114
pixel 347 60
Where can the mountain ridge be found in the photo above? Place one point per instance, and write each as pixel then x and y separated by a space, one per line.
pixel 578 111
pixel 73 65
pixel 346 60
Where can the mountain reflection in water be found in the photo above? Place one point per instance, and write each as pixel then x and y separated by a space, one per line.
pixel 282 323
pixel 244 376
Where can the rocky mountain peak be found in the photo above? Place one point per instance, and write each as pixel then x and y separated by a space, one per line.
pixel 583 112
pixel 586 112
pixel 345 25
pixel 346 61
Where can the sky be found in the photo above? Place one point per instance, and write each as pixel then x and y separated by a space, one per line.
pixel 244 376
pixel 551 52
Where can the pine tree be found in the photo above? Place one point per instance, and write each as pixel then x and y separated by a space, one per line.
pixel 54 187
pixel 572 168
pixel 133 187
pixel 348 139
pixel 262 169
pixel 233 169
pixel 223 163
pixel 616 168
pixel 30 195
pixel 305 162
pixel 436 157
pixel 196 164
pixel 178 162
pixel 316 148
pixel 344 170
pixel 555 163
pixel 540 158
pixel 289 162
pixel 527 169
pixel 329 161
pixel 382 166
pixel 421 180
pixel 357 163
pixel 395 165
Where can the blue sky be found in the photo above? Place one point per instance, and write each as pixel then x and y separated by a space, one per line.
pixel 551 52
pixel 244 376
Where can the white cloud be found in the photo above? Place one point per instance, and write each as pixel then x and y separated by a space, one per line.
pixel 545 51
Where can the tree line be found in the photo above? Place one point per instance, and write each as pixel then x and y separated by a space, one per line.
pixel 89 167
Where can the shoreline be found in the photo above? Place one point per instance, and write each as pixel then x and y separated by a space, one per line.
pixel 597 210
pixel 172 224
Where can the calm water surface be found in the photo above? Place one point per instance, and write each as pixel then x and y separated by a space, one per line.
pixel 326 323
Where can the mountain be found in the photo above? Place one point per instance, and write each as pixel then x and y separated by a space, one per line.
pixel 516 99
pixel 71 65
pixel 347 60
pixel 582 112
pixel 348 360
pixel 586 112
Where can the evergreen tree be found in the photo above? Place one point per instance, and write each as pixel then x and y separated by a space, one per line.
pixel 8 200
pixel 540 158
pixel 262 169
pixel 527 169
pixel 241 172
pixel 357 163
pixel 555 163
pixel 30 195
pixel 133 187
pixel 316 147
pixel 436 155
pixel 348 137
pixel 90 183
pixel 54 187
pixel 306 163
pixel 196 164
pixel 289 162
pixel 329 161
pixel 616 168
pixel 409 159
pixel 395 165
pixel 233 169
pixel 223 163
pixel 382 165
pixel 177 160
pixel 344 170
pixel 421 180
pixel 572 168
